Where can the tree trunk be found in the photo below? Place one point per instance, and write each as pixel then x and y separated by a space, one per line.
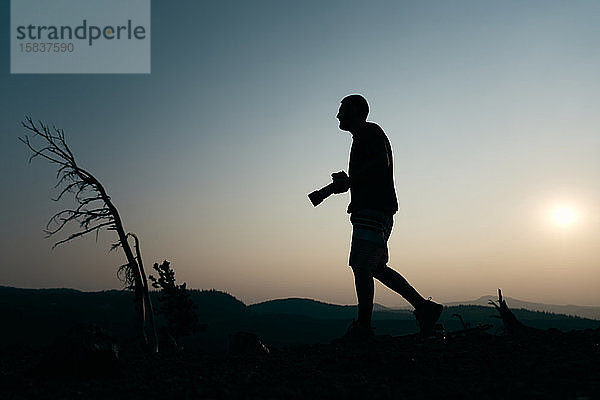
pixel 139 287
pixel 149 308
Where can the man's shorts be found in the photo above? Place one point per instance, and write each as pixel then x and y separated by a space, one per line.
pixel 371 230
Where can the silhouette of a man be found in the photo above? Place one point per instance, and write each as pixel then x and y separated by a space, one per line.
pixel 373 204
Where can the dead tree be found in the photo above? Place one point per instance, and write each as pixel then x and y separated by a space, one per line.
pixel 511 324
pixel 94 211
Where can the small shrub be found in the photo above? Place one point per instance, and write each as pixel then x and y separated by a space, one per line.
pixel 175 302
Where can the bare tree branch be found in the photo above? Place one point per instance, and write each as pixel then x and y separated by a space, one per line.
pixel 75 235
pixel 94 211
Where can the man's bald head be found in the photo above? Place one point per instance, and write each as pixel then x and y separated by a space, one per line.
pixel 353 112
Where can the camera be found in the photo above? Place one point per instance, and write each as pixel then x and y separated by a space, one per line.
pixel 318 196
pixel 340 184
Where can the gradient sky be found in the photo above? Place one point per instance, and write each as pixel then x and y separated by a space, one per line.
pixel 491 108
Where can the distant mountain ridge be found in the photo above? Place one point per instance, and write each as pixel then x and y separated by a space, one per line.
pixel 308 306
pixel 305 306
pixel 590 312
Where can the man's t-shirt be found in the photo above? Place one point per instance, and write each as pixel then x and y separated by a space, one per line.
pixel 371 171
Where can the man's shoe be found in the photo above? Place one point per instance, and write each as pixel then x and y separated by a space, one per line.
pixel 356 334
pixel 427 315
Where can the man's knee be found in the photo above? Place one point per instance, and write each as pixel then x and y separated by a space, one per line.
pixel 379 270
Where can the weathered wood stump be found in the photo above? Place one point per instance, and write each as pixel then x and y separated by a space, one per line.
pixel 512 325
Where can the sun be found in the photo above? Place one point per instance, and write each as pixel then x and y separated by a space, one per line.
pixel 563 216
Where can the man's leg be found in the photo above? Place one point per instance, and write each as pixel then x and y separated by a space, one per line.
pixel 370 231
pixel 398 284
pixel 365 291
pixel 427 312
pixel 364 256
pixel 391 278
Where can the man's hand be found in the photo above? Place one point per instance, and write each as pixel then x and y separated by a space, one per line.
pixel 341 182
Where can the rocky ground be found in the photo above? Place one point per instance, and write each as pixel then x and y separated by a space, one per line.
pixel 538 365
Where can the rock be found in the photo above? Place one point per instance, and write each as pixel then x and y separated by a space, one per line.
pixel 246 343
pixel 85 351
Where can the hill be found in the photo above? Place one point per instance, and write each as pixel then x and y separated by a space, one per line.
pixel 313 308
pixel 36 316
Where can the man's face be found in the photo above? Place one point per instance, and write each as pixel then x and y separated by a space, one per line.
pixel 347 117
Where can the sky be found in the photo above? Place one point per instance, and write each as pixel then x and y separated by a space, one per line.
pixel 490 107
